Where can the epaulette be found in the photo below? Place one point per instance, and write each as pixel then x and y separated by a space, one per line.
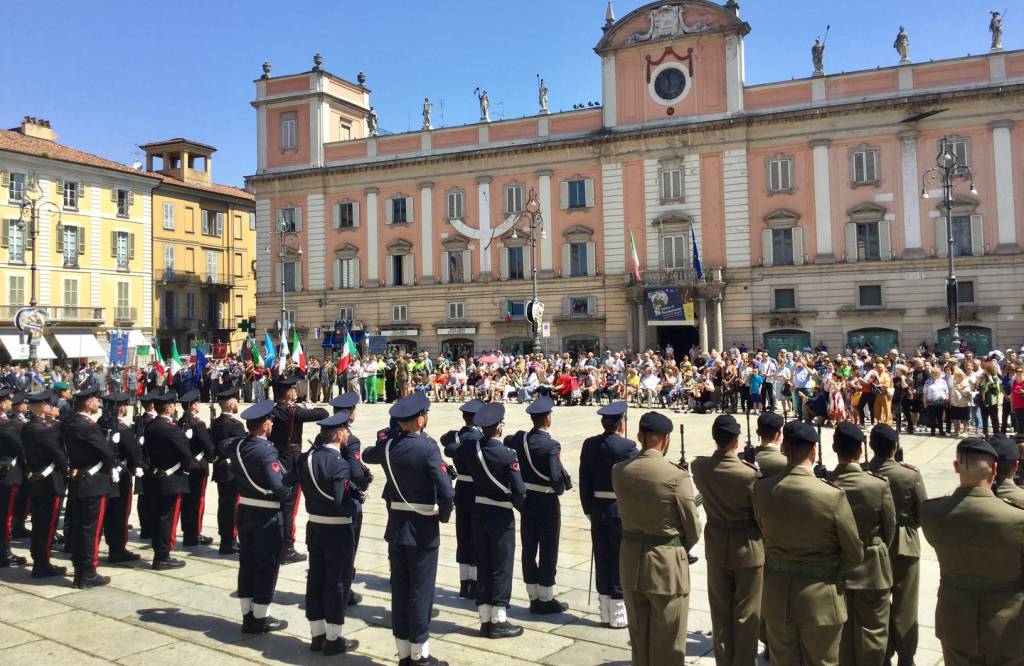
pixel 876 475
pixel 826 481
pixel 907 465
pixel 1012 503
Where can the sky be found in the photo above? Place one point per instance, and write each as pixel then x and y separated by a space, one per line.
pixel 113 75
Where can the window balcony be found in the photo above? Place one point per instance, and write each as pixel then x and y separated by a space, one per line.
pixel 124 316
pixel 72 314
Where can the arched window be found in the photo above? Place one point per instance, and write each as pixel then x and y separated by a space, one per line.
pixel 790 340
pixel 875 340
pixel 581 344
pixel 978 339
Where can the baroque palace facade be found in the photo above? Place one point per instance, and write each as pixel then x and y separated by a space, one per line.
pixel 804 198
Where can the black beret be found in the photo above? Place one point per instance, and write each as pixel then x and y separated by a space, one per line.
pixel 726 423
pixel 848 433
pixel 1006 448
pixel 490 415
pixel 615 409
pixel 770 421
pixel 656 423
pixel 799 433
pixel 976 445
pixel 260 411
pixel 885 434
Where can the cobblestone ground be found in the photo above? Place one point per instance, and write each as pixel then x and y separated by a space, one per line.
pixel 189 615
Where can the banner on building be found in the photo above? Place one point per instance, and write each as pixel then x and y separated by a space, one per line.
pixel 666 306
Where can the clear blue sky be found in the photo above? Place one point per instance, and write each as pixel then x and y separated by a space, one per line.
pixel 112 75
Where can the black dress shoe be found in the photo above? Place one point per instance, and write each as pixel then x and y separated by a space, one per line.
pixel 228 549
pixel 354 598
pixel 427 661
pixel 198 541
pixel 13 560
pixel 123 556
pixel 550 607
pixel 247 620
pixel 167 564
pixel 86 579
pixel 19 532
pixel 47 571
pixel 340 646
pixel 317 644
pixel 292 556
pixel 404 661
pixel 504 630
pixel 485 630
pixel 464 589
pixel 263 625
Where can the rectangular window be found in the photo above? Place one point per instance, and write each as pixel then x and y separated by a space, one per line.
pixel 16 290
pixel 399 214
pixel 349 276
pixel 577 194
pixel 16 241
pixel 456 205
pixel 456 310
pixel 397 264
pixel 190 220
pixel 289 131
pixel 169 216
pixel 780 174
pixel 346 313
pixel 579 306
pixel 965 292
pixel 516 309
pixel 70 299
pixel 212 266
pixel 16 188
pixel 123 300
pixel 962 236
pixel 190 305
pixel 867 242
pixel 170 308
pixel 785 299
pixel 71 194
pixel 675 251
pixel 671 184
pixel 399 313
pixel 73 245
pixel 236 227
pixel 252 221
pixel 239 309
pixel 865 166
pixel 514 199
pixel 168 262
pixel 239 261
pixel 516 263
pixel 344 131
pixel 782 247
pixel 962 150
pixel 869 296
pixel 205 224
pixel 124 202
pixel 287 216
pixel 455 267
pixel 346 216
pixel 290 282
pixel 577 259
pixel 122 249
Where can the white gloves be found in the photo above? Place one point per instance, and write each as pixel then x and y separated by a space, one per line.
pixel 138 472
pixel 115 475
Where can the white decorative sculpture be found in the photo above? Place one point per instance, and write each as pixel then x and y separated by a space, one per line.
pixel 666 21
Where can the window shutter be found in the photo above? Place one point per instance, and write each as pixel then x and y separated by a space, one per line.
pixel 355 214
pixel 5 179
pixel 220 224
pixel 851 242
pixel 298 276
pixel 592 305
pixel 131 198
pixel 885 240
pixel 566 305
pixel 298 219
pixel 503 309
pixel 941 236
pixel 113 195
pixel 356 280
pixel 503 263
pixel 80 233
pixel 81 192
pixel 131 246
pixel 409 269
pixel 113 243
pixel 588 186
pixel 60 189
pixel 767 250
pixel 389 271
pixel 565 268
pixel 409 210
pixel 977 236
pixel 6 238
pixel 467 266
pixel 336 208
pixel 527 265
pixel 666 185
pixel 205 217
pixel 337 273
pixel 591 258
pixel 59 237
pixel 798 246
pixel 563 195
pixel 389 212
pixel 445 270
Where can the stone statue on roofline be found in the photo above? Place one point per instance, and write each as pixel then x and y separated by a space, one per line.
pixel 542 96
pixel 902 45
pixel 818 56
pixel 995 26
pixel 485 105
pixel 371 122
pixel 426 113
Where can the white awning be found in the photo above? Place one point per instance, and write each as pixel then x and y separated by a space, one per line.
pixel 19 352
pixel 80 345
pixel 136 338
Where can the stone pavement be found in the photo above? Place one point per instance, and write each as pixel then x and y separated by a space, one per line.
pixel 189 615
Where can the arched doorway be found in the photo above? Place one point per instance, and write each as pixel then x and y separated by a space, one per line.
pixel 457 348
pixel 517 346
pixel 790 340
pixel 978 339
pixel 581 344
pixel 875 340
pixel 400 346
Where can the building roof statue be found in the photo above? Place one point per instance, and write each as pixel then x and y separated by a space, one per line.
pixel 485 105
pixel 818 56
pixel 426 113
pixel 371 123
pixel 995 26
pixel 542 95
pixel 902 45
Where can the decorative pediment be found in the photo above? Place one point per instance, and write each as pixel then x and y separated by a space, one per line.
pixel 455 243
pixel 399 246
pixel 662 20
pixel 781 218
pixel 866 212
pixel 673 217
pixel 346 251
pixel 578 233
pixel 963 204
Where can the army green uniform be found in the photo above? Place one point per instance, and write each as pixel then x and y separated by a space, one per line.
pixel 1007 489
pixel 735 555
pixel 810 536
pixel 659 525
pixel 908 493
pixel 865 635
pixel 979 540
pixel 770 460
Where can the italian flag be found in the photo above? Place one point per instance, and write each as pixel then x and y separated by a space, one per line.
pixel 257 360
pixel 176 365
pixel 636 259
pixel 297 353
pixel 282 355
pixel 158 360
pixel 348 350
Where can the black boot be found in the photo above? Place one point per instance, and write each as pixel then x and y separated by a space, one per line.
pixel 123 556
pixel 549 607
pixel 464 590
pixel 167 563
pixel 471 589
pixel 340 646
pixel 247 621
pixel 18 530
pixel 485 630
pixel 228 547
pixel 317 644
pixel 12 559
pixel 198 540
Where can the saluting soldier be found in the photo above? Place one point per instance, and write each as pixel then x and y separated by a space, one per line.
pixel 47 466
pixel 732 545
pixel 908 493
pixel 170 456
pixel 810 538
pixel 865 636
pixel 498 487
pixel 1006 468
pixel 287 438
pixel 768 456
pixel 92 469
pixel 149 486
pixel 193 503
pixel 323 474
pixel 460 446
pixel 597 457
pixel 226 426
pixel 261 493
pixel 659 525
pixel 419 495
pixel 979 540
pixel 12 456
pixel 126 450
pixel 541 515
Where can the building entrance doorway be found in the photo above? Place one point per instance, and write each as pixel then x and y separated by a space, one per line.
pixel 680 337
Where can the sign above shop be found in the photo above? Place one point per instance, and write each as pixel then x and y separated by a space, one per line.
pixel 401 332
pixel 465 330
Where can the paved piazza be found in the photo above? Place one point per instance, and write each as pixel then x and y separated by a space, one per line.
pixel 190 616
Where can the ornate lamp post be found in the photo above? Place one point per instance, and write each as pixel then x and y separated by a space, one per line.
pixel 946 171
pixel 536 228
pixel 288 241
pixel 28 223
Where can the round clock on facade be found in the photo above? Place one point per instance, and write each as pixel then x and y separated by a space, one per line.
pixel 670 83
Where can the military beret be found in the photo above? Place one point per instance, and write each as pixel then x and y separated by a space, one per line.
pixel 87 392
pixel 489 415
pixel 472 407
pixel 5 393
pixel 120 398
pixel 39 397
pixel 726 423
pixel 346 400
pixel 656 423
pixel 335 420
pixel 849 433
pixel 885 434
pixel 799 433
pixel 770 421
pixel 260 411
pixel 976 445
pixel 410 407
pixel 1006 449
pixel 228 393
pixel 166 397
pixel 615 409
pixel 61 386
pixel 541 405
pixel 190 397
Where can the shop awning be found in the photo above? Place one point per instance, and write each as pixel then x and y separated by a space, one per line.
pixel 137 339
pixel 80 345
pixel 19 352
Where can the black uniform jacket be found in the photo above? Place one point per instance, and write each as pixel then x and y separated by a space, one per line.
pixel 288 419
pixel 225 426
pixel 599 454
pixel 89 455
pixel 169 456
pixel 323 474
pixel 127 454
pixel 200 443
pixel 539 459
pixel 258 475
pixel 460 446
pixel 44 447
pixel 497 480
pixel 12 454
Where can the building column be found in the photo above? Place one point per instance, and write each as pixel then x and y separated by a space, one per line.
pixel 609 117
pixel 544 195
pixel 822 202
pixel 427 233
pixel 483 185
pixel 372 259
pixel 1002 151
pixel 702 325
pixel 641 328
pixel 911 192
pixel 719 336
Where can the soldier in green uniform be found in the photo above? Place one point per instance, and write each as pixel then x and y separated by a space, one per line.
pixel 810 538
pixel 1006 469
pixel 866 633
pixel 908 492
pixel 732 545
pixel 979 540
pixel 659 525
pixel 768 455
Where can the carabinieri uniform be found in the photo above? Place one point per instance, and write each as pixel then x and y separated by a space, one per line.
pixel 460 446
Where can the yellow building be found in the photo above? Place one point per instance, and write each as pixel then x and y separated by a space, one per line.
pixel 89 245
pixel 204 240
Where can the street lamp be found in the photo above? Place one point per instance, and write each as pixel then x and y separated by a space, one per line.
pixel 536 228
pixel 948 169
pixel 28 223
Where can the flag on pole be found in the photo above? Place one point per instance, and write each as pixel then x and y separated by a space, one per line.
pixel 636 259
pixel 176 365
pixel 269 353
pixel 257 359
pixel 297 352
pixel 697 268
pixel 283 354
pixel 158 360
pixel 348 350
pixel 200 362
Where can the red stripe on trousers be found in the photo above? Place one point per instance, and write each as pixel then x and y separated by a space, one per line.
pixel 174 521
pixel 11 492
pixel 295 510
pixel 202 507
pixel 234 530
pixel 53 525
pixel 99 530
pixel 128 510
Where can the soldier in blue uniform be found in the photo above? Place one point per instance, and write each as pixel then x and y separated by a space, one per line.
pixel 323 474
pixel 46 467
pixel 460 446
pixel 226 426
pixel 12 457
pixel 419 496
pixel 119 503
pixel 169 454
pixel 193 503
pixel 498 488
pixel 92 466
pixel 597 457
pixel 148 488
pixel 545 480
pixel 261 492
pixel 287 438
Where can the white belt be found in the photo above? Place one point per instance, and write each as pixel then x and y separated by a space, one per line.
pixel 172 470
pixel 539 489
pixel 263 504
pixel 199 456
pixel 604 494
pixel 422 509
pixel 48 471
pixel 492 502
pixel 330 520
pixel 464 477
pixel 95 468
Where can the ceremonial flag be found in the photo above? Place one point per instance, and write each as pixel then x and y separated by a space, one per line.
pixel 118 348
pixel 158 360
pixel 268 349
pixel 297 352
pixel 348 350
pixel 176 364
pixel 257 359
pixel 200 362
pixel 636 259
pixel 282 354
pixel 697 268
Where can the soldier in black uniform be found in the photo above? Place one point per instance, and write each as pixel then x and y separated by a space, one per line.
pixel 460 446
pixel 261 492
pixel 92 469
pixel 226 426
pixel 46 467
pixel 193 502
pixel 419 495
pixel 169 458
pixel 127 454
pixel 12 463
pixel 148 488
pixel 323 474
pixel 597 457
pixel 287 438
pixel 545 480
pixel 498 487
pixel 20 415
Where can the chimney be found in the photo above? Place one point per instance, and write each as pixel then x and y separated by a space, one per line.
pixel 37 128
